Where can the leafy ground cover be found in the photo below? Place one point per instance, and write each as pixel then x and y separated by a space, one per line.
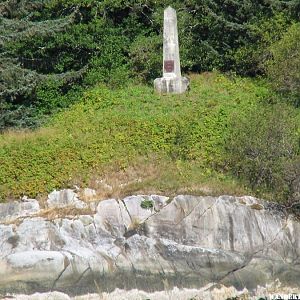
pixel 134 140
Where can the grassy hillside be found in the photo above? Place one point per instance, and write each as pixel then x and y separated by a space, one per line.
pixel 134 140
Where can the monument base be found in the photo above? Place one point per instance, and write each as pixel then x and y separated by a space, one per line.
pixel 171 85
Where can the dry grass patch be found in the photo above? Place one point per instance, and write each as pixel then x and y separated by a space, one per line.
pixel 19 136
pixel 135 224
pixel 241 201
pixel 256 206
pixel 64 212
pixel 163 176
pixel 117 181
pixel 51 214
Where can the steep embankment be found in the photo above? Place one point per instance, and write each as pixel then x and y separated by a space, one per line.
pixel 146 242
pixel 131 135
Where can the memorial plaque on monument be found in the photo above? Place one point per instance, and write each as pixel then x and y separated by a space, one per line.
pixel 169 66
pixel 172 81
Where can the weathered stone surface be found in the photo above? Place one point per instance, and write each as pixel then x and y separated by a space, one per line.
pixel 171 82
pixel 41 265
pixel 13 210
pixel 64 198
pixel 171 85
pixel 187 242
pixel 135 210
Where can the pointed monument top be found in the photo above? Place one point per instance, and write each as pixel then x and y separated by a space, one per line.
pixel 169 8
pixel 170 12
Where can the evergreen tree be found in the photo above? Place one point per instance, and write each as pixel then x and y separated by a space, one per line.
pixel 20 22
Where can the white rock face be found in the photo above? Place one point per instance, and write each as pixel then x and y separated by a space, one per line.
pixel 41 265
pixel 186 242
pixel 13 210
pixel 64 198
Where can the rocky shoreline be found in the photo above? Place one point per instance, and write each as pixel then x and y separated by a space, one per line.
pixel 78 245
pixel 209 292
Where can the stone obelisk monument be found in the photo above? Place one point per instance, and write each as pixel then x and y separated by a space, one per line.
pixel 171 82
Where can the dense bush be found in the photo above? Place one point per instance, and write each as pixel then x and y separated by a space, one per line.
pixel 284 67
pixel 144 56
pixel 263 147
pixel 251 58
pixel 292 183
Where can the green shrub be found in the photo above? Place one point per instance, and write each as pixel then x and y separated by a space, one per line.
pixel 144 56
pixel 147 204
pixel 48 96
pixel 284 67
pixel 291 183
pixel 250 59
pixel 261 144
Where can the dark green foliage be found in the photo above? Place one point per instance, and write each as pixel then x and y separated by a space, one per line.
pixel 147 204
pixel 18 116
pixel 54 94
pixel 251 58
pixel 291 181
pixel 21 71
pixel 17 9
pixel 16 81
pixel 108 62
pixel 284 67
pixel 144 58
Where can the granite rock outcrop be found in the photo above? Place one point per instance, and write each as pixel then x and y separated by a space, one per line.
pixel 185 241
